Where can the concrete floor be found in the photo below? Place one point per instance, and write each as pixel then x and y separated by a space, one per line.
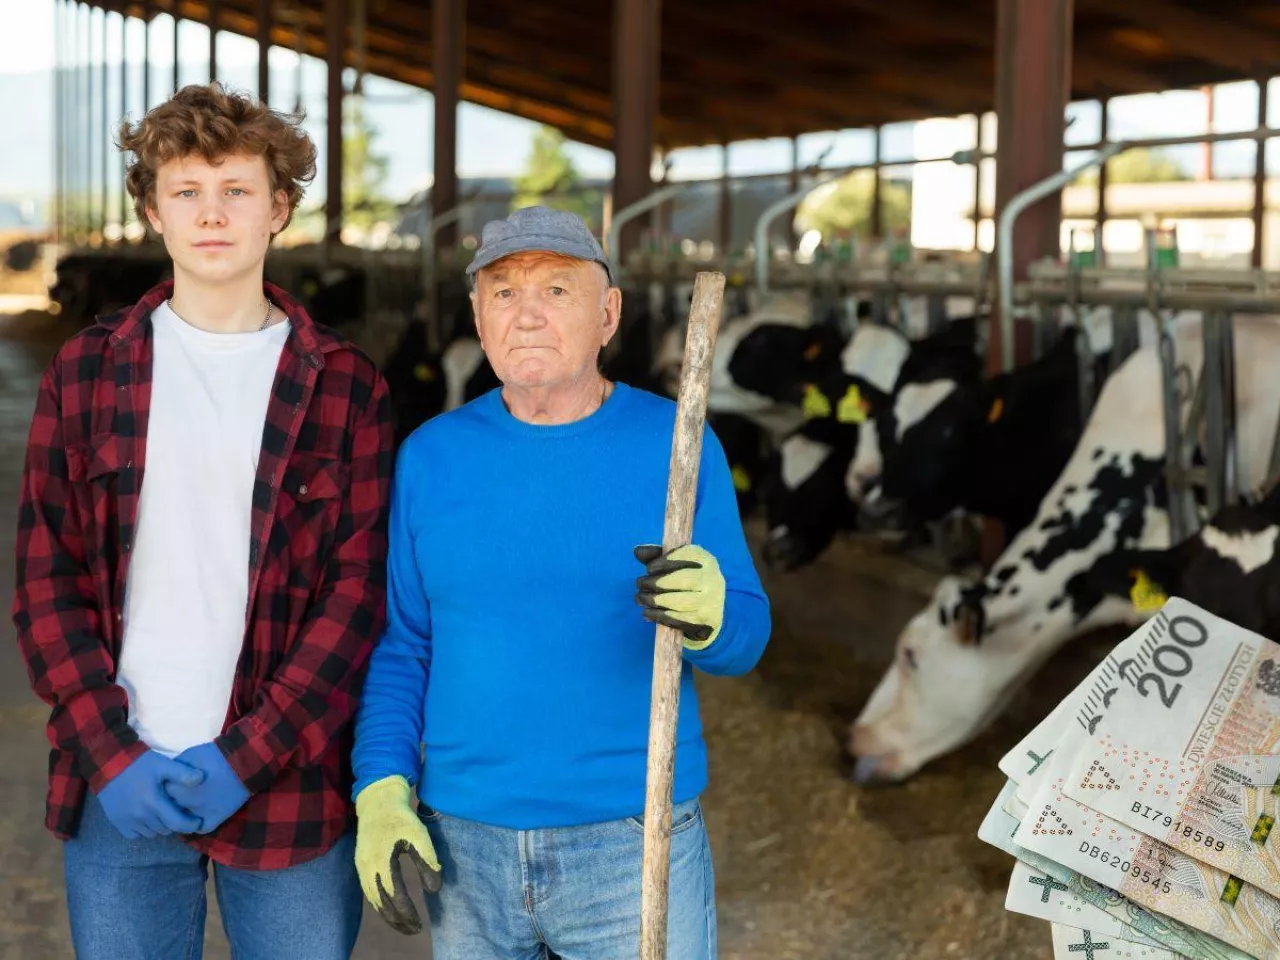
pixel 808 865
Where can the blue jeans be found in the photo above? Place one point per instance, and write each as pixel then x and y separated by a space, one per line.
pixel 571 892
pixel 145 900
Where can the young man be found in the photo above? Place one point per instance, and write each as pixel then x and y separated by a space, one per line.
pixel 201 561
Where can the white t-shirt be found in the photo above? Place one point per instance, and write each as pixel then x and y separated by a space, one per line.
pixel 188 585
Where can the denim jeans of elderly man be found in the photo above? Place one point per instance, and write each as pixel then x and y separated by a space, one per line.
pixel 576 888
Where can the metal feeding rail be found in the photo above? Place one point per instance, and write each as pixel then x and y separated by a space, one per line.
pixel 1161 290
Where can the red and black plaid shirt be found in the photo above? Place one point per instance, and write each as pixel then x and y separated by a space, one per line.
pixel 317 577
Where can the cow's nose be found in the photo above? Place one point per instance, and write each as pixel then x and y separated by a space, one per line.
pixel 874 772
pixel 870 762
pixel 866 482
pixel 880 514
pixel 781 550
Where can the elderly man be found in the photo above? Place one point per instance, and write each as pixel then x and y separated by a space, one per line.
pixel 511 686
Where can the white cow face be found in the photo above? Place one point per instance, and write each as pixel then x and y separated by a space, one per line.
pixel 942 689
pixel 866 466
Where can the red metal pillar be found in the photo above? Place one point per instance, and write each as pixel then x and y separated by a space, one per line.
pixel 636 51
pixel 336 41
pixel 1033 83
pixel 264 50
pixel 448 21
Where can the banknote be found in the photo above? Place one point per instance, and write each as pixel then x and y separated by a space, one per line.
pixel 998 829
pixel 1036 894
pixel 1145 870
pixel 1025 763
pixel 1072 944
pixel 1175 755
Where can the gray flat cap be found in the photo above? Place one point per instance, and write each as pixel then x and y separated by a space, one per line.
pixel 538 228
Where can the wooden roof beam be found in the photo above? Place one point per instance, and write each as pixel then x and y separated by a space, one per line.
pixel 794 43
pixel 1245 51
pixel 706 68
pixel 1089 72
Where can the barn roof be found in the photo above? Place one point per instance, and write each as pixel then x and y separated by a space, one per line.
pixel 745 69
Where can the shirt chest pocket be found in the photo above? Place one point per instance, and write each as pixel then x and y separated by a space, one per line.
pixel 310 478
pixel 309 509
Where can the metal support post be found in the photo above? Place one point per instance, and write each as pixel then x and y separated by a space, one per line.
pixel 1125 335
pixel 448 26
pixel 1220 433
pixel 147 14
pixel 214 9
pixel 877 200
pixel 1182 506
pixel 264 49
pixel 1259 183
pixel 104 134
pixel 636 46
pixel 59 118
pixel 336 42
pixel 177 36
pixel 124 110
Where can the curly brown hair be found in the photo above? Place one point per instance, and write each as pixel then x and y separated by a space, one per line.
pixel 208 120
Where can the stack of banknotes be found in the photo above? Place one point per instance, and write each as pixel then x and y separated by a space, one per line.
pixel 1141 810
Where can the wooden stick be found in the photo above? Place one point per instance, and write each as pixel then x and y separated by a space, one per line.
pixel 682 486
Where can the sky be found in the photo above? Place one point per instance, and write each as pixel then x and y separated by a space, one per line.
pixel 491 143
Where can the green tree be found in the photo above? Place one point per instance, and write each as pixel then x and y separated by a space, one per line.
pixel 551 179
pixel 845 205
pixel 1140 165
pixel 364 169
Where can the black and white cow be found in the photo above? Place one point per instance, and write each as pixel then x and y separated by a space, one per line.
pixel 761 362
pixel 991 447
pixel 960 660
pixel 813 491
pixel 423 385
pixel 1229 568
pixel 86 285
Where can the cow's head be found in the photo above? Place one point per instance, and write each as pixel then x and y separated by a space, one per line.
pixel 937 693
pixel 925 442
pixel 804 497
pixel 779 359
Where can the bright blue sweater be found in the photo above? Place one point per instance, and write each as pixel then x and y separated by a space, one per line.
pixel 512 683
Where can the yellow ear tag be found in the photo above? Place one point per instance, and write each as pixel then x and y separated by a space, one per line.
pixel 741 480
pixel 1146 595
pixel 852 408
pixel 816 405
pixel 996 411
pixel 424 372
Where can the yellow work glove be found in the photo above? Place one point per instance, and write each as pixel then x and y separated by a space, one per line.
pixel 684 589
pixel 387 827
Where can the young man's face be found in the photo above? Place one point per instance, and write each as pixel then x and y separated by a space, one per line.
pixel 217 220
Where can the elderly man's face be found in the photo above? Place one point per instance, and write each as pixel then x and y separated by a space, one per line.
pixel 543 318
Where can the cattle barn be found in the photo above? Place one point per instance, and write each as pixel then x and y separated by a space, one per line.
pixel 952 460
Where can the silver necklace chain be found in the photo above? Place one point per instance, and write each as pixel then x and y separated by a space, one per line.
pixel 266 321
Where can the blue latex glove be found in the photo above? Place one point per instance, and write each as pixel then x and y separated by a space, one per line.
pixel 136 801
pixel 219 795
